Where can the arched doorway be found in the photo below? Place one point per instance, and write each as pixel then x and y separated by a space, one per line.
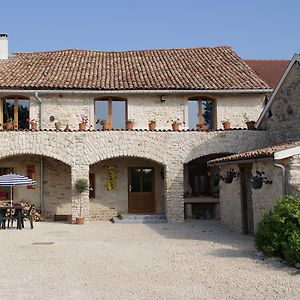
pixel 201 191
pixel 124 185
pixel 52 193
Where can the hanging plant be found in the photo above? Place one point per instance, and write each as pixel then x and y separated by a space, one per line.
pixel 258 180
pixel 215 180
pixel 230 174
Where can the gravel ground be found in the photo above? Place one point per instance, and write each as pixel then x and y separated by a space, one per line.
pixel 100 260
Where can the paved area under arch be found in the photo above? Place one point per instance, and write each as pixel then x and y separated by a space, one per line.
pixel 100 260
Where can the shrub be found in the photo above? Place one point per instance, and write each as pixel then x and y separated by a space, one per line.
pixel 81 185
pixel 278 233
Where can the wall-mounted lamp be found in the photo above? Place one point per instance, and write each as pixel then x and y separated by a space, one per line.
pixel 163 98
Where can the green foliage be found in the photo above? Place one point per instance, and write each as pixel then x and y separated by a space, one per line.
pixel 278 233
pixel 81 185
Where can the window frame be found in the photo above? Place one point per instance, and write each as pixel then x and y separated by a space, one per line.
pixel 16 108
pixel 199 99
pixel 110 99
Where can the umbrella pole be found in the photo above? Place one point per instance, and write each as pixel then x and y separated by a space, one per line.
pixel 11 195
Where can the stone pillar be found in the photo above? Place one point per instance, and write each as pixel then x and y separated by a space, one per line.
pixel 79 172
pixel 174 205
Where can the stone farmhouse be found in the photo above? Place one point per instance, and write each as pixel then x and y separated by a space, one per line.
pixel 249 195
pixel 46 95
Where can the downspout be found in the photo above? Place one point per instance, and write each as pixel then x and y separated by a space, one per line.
pixel 36 95
pixel 42 160
pixel 283 177
pixel 42 185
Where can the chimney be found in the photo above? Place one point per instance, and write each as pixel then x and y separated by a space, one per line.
pixel 3 46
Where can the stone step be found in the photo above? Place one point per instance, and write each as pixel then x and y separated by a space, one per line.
pixel 143 219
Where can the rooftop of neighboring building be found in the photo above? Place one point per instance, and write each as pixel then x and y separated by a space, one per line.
pixel 269 70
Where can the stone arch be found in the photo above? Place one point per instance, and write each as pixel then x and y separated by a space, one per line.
pixel 30 143
pixel 151 149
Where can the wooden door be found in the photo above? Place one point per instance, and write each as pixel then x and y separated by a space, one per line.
pixel 246 198
pixel 141 192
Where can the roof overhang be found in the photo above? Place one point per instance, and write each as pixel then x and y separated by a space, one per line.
pixel 287 153
pixel 296 58
pixel 94 92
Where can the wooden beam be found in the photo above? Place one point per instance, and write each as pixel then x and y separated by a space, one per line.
pixel 16 113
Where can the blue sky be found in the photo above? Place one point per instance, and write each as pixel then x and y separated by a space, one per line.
pixel 265 29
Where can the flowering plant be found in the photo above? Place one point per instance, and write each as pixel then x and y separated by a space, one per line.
pixel 101 122
pixel 258 179
pixel 33 121
pixel 130 120
pixel 226 120
pixel 230 174
pixel 84 119
pixel 152 119
pixel 176 121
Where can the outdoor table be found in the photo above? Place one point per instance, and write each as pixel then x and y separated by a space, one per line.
pixel 18 211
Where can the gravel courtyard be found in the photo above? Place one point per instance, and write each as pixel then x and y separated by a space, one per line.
pixel 100 260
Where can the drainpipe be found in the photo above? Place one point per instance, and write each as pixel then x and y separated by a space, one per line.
pixel 42 160
pixel 36 95
pixel 283 177
pixel 42 185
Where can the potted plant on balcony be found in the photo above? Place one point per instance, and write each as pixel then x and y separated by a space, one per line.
pixel 175 122
pixel 258 179
pixel 9 124
pixel 202 127
pixel 57 125
pixel 250 123
pixel 104 123
pixel 33 124
pixel 152 123
pixel 129 124
pixel 81 186
pixel 226 124
pixel 83 123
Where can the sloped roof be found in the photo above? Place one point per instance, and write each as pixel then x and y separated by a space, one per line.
pixel 215 68
pixel 258 153
pixel 296 58
pixel 269 70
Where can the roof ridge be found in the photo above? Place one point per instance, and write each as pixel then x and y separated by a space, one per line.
pixel 125 51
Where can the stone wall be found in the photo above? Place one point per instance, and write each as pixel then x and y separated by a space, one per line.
pixel 230 201
pixel 283 125
pixel 294 176
pixel 262 199
pixel 67 108
pixel 79 150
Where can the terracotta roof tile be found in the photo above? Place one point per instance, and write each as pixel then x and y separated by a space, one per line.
pixel 258 153
pixel 198 68
pixel 269 70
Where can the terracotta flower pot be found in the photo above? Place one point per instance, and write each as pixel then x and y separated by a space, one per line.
pixel 250 125
pixel 57 125
pixel 33 126
pixel 79 220
pixel 202 127
pixel 226 125
pixel 129 125
pixel 175 126
pixel 106 126
pixel 152 126
pixel 9 126
pixel 82 126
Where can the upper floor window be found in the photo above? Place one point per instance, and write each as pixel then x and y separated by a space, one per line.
pixel 15 109
pixel 111 110
pixel 201 112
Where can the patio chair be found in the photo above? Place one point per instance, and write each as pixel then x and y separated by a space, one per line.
pixel 6 216
pixel 27 215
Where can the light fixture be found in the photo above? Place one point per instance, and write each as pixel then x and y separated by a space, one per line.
pixel 163 98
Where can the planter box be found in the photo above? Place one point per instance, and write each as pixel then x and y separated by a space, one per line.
pixel 62 218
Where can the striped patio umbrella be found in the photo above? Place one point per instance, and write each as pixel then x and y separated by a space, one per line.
pixel 12 180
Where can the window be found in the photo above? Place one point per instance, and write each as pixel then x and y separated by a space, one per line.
pixel 112 110
pixel 201 111
pixel 15 109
